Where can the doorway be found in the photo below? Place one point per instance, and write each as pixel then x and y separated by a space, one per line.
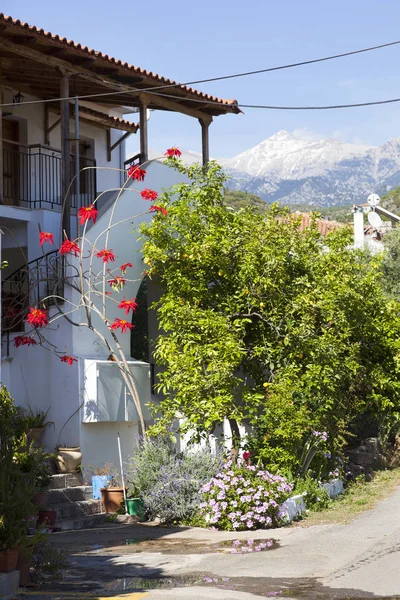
pixel 11 162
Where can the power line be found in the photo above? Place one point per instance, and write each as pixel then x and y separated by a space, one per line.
pixel 220 78
pixel 269 107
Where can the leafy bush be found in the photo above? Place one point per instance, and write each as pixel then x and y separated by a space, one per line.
pixel 48 562
pixel 169 481
pixel 243 497
pixel 315 497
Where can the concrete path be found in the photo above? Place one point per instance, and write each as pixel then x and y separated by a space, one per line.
pixel 357 560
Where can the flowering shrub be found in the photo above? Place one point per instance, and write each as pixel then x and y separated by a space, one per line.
pixel 170 481
pixel 243 497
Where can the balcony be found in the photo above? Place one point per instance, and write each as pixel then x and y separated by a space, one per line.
pixel 32 177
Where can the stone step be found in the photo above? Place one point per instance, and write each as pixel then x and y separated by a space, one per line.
pixel 86 522
pixel 65 480
pixel 70 494
pixel 77 509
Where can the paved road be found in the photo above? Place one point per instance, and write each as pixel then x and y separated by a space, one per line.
pixel 357 560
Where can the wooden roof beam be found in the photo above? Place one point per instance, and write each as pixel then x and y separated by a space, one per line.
pixel 66 67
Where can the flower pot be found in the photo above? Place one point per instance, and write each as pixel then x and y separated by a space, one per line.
pixel 35 435
pixel 23 565
pixel 99 482
pixel 47 518
pixel 40 499
pixel 112 499
pixel 8 560
pixel 136 507
pixel 68 459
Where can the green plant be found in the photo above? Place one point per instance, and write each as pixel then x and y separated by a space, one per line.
pixel 169 481
pixel 315 497
pixel 16 488
pixel 48 562
pixel 34 462
pixel 265 324
pixel 37 419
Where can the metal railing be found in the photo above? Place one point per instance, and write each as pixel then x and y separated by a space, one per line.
pixel 28 286
pixel 32 177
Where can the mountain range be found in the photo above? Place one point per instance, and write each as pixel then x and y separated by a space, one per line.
pixel 288 169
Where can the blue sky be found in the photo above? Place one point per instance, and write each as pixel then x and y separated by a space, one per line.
pixel 187 40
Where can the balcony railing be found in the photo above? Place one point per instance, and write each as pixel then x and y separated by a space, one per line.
pixel 29 286
pixel 32 177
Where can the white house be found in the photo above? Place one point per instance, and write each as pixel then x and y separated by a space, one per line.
pixel 62 108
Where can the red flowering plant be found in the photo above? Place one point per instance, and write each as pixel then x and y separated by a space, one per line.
pixel 88 280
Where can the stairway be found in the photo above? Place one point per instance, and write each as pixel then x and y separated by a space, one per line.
pixel 73 502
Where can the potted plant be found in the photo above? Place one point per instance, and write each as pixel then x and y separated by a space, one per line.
pixel 135 504
pixel 112 495
pixel 101 478
pixel 35 425
pixel 68 459
pixel 25 555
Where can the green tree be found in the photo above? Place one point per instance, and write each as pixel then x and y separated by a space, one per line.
pixel 264 324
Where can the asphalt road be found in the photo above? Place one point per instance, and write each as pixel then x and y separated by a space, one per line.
pixel 356 560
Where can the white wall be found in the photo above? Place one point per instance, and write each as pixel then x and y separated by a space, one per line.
pixel 46 381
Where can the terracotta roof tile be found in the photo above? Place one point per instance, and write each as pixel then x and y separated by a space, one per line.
pixel 132 68
pixel 324 225
pixel 115 122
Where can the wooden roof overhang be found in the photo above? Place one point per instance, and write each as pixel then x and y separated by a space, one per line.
pixel 33 61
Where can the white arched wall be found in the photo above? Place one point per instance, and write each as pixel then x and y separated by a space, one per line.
pixel 49 383
pixel 99 440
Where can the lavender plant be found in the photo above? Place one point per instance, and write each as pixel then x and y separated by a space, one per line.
pixel 243 497
pixel 170 481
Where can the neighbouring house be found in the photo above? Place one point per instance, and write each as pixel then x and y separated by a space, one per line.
pixel 371 234
pixel 46 137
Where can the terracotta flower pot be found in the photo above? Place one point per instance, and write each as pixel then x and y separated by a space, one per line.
pixel 40 499
pixel 112 498
pixel 23 565
pixel 47 518
pixel 35 435
pixel 8 560
pixel 68 459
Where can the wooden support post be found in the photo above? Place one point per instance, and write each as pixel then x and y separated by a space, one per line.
pixel 46 125
pixel 1 150
pixel 65 155
pixel 108 139
pixel 205 142
pixel 144 142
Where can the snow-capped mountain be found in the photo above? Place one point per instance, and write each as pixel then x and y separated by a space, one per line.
pixel 287 168
pixel 290 169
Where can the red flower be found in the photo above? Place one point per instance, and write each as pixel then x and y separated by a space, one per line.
pixel 124 267
pixel 149 194
pixel 106 255
pixel 24 340
pixel 171 152
pixel 117 283
pixel 246 455
pixel 121 324
pixel 87 212
pixel 68 359
pixel 157 208
pixel 69 247
pixel 37 317
pixel 45 236
pixel 136 173
pixel 128 305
